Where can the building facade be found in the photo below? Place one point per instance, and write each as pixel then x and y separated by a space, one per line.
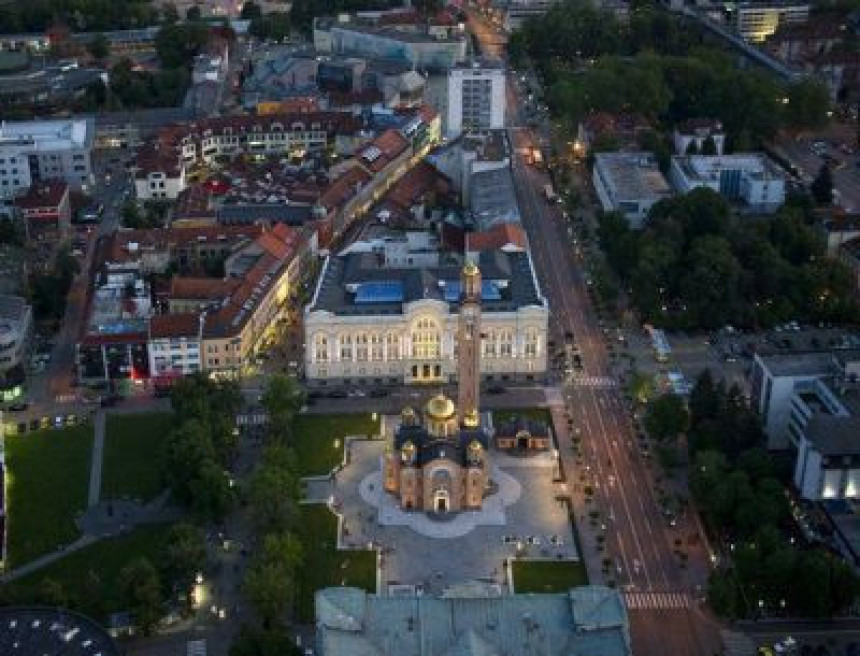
pixel 476 99
pixel 375 321
pixel 38 151
pixel 751 178
pixel 756 21
pixel 630 183
pixel 16 336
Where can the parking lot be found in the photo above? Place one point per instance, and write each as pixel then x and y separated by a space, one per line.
pixel 834 146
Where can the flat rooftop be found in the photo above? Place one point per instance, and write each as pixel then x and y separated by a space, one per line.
pixel 587 620
pixel 49 135
pixel 810 363
pixel 392 33
pixel 359 284
pixel 633 176
pixel 709 167
pixel 492 198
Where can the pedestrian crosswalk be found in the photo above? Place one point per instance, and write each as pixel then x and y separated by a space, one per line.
pixel 656 600
pixel 65 398
pixel 595 381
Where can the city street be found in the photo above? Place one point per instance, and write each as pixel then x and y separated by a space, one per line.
pixel 662 593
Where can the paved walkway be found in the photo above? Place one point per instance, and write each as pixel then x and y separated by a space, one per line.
pixel 47 559
pixel 491 514
pixel 97 458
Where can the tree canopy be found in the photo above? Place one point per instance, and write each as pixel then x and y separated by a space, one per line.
pixel 695 264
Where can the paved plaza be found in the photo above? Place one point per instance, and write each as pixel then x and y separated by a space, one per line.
pixel 432 554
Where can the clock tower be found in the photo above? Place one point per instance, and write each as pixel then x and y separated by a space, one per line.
pixel 469 346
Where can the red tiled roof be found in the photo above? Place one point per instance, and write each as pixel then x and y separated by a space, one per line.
pixel 174 325
pixel 391 145
pixel 344 188
pixel 417 182
pixel 166 238
pixel 191 288
pixel 504 234
pixel 48 194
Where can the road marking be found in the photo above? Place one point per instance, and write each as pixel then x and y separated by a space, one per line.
pixel 657 600
pixel 603 382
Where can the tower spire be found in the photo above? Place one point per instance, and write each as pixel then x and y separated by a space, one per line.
pixel 469 345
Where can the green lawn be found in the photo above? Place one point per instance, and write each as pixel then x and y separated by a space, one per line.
pixel 133 455
pixel 315 437
pixel 324 566
pixel 47 475
pixel 89 576
pixel 548 575
pixel 537 414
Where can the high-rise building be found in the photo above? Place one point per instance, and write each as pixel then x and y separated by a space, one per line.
pixel 34 151
pixel 476 99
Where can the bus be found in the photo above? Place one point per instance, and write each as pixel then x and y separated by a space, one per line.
pixel 549 192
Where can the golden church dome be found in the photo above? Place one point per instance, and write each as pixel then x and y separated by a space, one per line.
pixel 440 408
pixel 471 419
pixel 475 446
pixel 471 269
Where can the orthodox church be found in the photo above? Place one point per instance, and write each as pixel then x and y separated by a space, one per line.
pixel 438 462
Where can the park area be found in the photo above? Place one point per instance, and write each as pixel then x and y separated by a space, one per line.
pixel 319 439
pixel 324 565
pixel 88 579
pixel 47 477
pixel 548 575
pixel 134 460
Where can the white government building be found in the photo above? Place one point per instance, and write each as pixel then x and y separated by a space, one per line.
pixel 388 315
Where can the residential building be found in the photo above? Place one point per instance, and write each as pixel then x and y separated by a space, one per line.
pixel 751 178
pixel 163 162
pixel 47 211
pixel 113 344
pixel 803 43
pixel 513 13
pixel 630 183
pixel 774 379
pixel 493 199
pixel 471 153
pixel 585 620
pixel 387 314
pixel 476 99
pixel 756 21
pixel 699 131
pixel 37 151
pixel 433 50
pixel 16 335
pixel 248 319
pixel 622 130
pixel 174 345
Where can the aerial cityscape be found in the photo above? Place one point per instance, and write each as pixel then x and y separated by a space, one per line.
pixel 429 328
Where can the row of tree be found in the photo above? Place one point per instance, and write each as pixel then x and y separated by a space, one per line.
pixel 743 502
pixel 79 15
pixel 201 445
pixel 49 290
pixel 695 264
pixel 272 577
pixel 659 66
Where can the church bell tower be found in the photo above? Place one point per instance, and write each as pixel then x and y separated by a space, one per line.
pixel 469 346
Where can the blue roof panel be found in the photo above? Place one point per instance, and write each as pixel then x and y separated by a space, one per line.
pixel 386 291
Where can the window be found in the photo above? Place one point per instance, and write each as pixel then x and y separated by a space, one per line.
pixel 532 345
pixel 361 348
pixel 506 344
pixel 426 339
pixel 376 347
pixel 346 347
pixel 490 344
pixel 392 346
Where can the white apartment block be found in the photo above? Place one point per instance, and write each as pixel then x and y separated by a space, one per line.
pixel 476 99
pixel 748 177
pixel 755 21
pixel 630 183
pixel 34 151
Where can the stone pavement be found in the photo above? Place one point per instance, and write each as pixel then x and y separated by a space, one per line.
pixel 537 522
